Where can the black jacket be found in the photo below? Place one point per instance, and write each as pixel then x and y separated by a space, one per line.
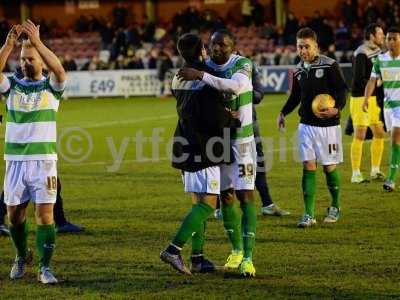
pixel 258 89
pixel 362 66
pixel 323 77
pixel 202 119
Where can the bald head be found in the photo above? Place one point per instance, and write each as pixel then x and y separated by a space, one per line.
pixel 222 46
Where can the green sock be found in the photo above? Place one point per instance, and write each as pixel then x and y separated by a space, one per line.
pixel 19 236
pixel 231 219
pixel 308 184
pixel 198 240
pixel 192 223
pixel 45 243
pixel 394 162
pixel 333 183
pixel 249 220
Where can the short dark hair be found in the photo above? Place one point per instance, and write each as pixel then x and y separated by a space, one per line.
pixel 370 29
pixel 393 29
pixel 307 33
pixel 225 32
pixel 189 47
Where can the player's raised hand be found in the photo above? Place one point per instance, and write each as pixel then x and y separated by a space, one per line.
pixel 32 31
pixel 365 105
pixel 190 74
pixel 13 35
pixel 280 121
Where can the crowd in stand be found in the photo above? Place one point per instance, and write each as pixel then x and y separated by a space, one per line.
pixel 119 44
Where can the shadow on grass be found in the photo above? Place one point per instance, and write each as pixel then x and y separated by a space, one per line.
pixel 218 284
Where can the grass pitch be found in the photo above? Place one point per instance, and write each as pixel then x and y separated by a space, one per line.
pixel 131 202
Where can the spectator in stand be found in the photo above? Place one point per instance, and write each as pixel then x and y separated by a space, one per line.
pixel 279 39
pixel 349 12
pixel 94 64
pixel 286 58
pixel 290 30
pixel 209 18
pixel 118 64
pixel 326 35
pixel 268 31
pixel 4 29
pixel 391 12
pixel 316 22
pixel 164 65
pixel 94 24
pixel 257 13
pixel 134 63
pixel 177 20
pixel 44 28
pixel 149 31
pixel 342 37
pixel 69 63
pixel 192 19
pixel 152 60
pixel 247 10
pixel 107 36
pixel 277 57
pixel 119 44
pixel 347 32
pixel 133 37
pixel 371 13
pixel 331 52
pixel 120 12
pixel 81 25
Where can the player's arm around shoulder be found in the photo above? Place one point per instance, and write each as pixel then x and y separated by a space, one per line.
pixel 239 82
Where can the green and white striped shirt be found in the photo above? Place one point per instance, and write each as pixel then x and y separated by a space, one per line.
pixel 388 69
pixel 242 100
pixel 31 132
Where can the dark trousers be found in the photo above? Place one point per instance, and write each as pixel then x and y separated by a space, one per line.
pixel 261 178
pixel 58 211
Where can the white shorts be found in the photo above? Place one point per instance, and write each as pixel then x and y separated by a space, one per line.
pixel 392 117
pixel 34 180
pixel 241 174
pixel 323 144
pixel 204 181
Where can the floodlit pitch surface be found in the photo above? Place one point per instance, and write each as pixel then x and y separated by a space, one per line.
pixel 132 206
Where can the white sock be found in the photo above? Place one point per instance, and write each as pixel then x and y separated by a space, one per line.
pixel 356 173
pixel 375 170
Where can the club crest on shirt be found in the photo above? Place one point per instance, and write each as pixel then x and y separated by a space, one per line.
pixel 214 185
pixel 319 73
pixel 30 101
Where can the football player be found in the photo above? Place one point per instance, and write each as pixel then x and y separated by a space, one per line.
pixel 387 68
pixel 234 73
pixel 319 135
pixel 362 65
